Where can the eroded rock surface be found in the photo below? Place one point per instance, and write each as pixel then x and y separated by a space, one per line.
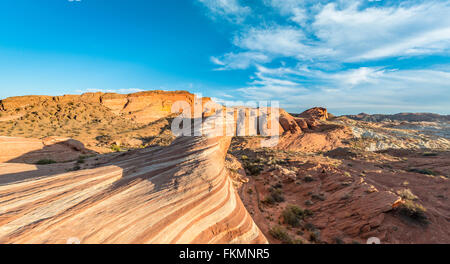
pixel 29 150
pixel 177 194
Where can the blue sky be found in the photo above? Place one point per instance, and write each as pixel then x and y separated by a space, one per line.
pixel 350 56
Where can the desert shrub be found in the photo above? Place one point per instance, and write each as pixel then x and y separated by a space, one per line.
pixel 429 154
pixel 338 240
pixel 104 139
pixel 278 186
pixel 308 212
pixel 253 168
pixel 280 233
pixel 292 215
pixel 346 183
pixel 423 171
pixel 414 211
pixel 269 200
pixel 319 196
pixel 310 227
pixel 309 202
pixel 275 196
pixel 116 148
pixel 81 159
pixel 75 168
pixel 315 236
pixel 406 194
pixel 346 196
pixel 308 179
pixel 298 241
pixel 45 162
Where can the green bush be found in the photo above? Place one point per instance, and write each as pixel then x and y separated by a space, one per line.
pixel 308 179
pixel 275 196
pixel 319 196
pixel 424 171
pixel 269 200
pixel 315 236
pixel 45 162
pixel 292 215
pixel 298 242
pixel 116 148
pixel 253 168
pixel 81 159
pixel 309 202
pixel 280 233
pixel 406 194
pixel 338 240
pixel 310 227
pixel 414 211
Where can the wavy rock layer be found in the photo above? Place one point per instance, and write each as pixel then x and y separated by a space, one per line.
pixel 177 194
pixel 30 150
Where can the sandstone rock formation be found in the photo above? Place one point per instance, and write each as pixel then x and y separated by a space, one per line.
pixel 308 133
pixel 100 121
pixel 318 113
pixel 29 150
pixel 177 194
pixel 142 107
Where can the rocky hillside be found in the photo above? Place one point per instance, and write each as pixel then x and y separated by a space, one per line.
pixel 338 180
pixel 409 117
pixel 100 121
pixel 431 126
pixel 347 195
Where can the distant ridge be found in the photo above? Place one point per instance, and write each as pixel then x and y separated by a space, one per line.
pixel 409 117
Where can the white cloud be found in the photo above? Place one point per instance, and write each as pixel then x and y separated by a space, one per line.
pixel 267 81
pixel 284 41
pixel 318 38
pixel 351 34
pixel 229 9
pixel 357 76
pixel 239 60
pixel 374 33
pixel 267 92
pixel 274 42
pixel 293 8
pixel 371 89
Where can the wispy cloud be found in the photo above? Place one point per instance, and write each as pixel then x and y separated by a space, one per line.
pixel 350 34
pixel 327 50
pixel 243 60
pixel 368 88
pixel 380 32
pixel 228 9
